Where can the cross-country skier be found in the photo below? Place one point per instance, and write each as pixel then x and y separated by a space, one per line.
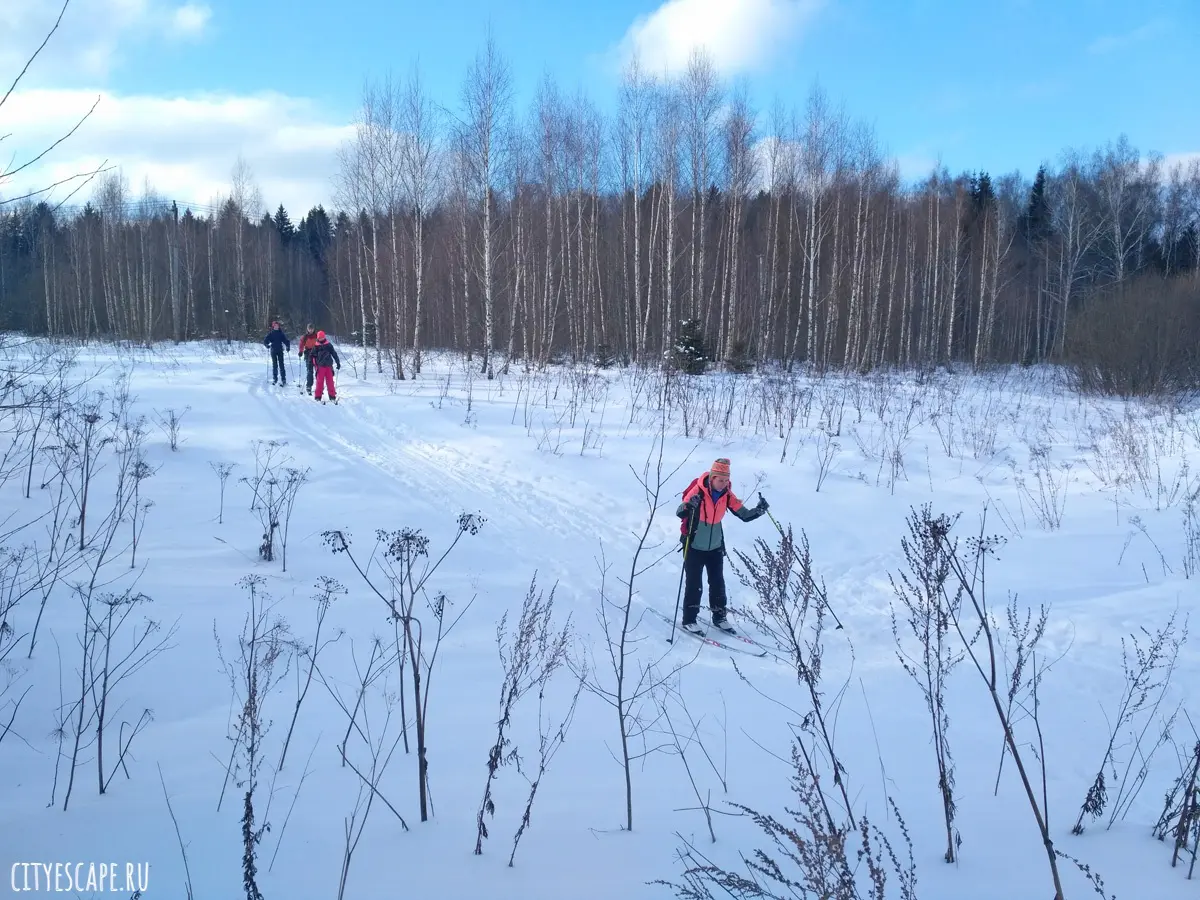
pixel 324 358
pixel 308 340
pixel 276 340
pixel 704 504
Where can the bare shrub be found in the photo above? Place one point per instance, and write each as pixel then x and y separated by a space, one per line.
pixel 328 588
pixel 683 742
pixel 1137 338
pixel 1180 818
pixel 1147 670
pixel 261 664
pixel 552 733
pixel 921 591
pixel 171 420
pixel 407 569
pixel 274 488
pixel 529 657
pixel 222 471
pixel 981 640
pixel 791 609
pixel 827 451
pixel 808 858
pixel 1049 498
pixel 1191 538
pixel 376 737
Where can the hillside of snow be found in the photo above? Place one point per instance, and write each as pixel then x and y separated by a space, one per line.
pixel 164 660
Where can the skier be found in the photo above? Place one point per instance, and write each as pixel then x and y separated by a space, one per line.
pixel 307 341
pixel 324 357
pixel 276 340
pixel 704 505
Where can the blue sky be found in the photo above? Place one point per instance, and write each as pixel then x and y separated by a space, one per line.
pixel 187 87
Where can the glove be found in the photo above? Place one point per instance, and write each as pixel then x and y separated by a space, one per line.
pixel 694 503
pixel 762 503
pixel 339 367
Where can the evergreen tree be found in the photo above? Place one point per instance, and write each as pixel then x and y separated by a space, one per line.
pixel 1036 223
pixel 983 194
pixel 689 353
pixel 283 225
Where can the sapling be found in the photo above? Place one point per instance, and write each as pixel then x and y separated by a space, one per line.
pixel 629 684
pixel 529 657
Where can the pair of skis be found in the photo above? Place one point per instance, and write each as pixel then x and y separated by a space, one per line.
pixel 715 637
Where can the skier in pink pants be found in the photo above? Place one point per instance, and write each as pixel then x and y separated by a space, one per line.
pixel 324 359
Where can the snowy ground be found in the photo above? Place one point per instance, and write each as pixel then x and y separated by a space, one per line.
pixel 551 461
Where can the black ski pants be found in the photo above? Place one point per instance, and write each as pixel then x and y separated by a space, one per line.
pixel 695 563
pixel 278 367
pixel 310 372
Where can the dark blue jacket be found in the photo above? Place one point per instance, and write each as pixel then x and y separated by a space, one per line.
pixel 277 340
pixel 324 355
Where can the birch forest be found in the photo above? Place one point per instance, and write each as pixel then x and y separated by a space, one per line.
pixel 551 232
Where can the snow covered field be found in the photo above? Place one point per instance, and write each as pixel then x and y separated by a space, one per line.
pixel 1091 497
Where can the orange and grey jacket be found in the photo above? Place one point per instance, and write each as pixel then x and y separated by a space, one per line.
pixel 709 534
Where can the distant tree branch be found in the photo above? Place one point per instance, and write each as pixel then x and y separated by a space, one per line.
pixel 36 52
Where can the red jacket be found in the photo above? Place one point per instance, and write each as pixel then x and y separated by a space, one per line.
pixel 307 342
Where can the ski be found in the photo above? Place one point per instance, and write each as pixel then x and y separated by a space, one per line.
pixel 754 649
pixel 745 640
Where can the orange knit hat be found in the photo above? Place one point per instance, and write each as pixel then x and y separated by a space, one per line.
pixel 720 467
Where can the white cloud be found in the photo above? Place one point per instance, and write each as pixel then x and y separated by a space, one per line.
pixel 739 35
pixel 91 37
pixel 185 146
pixel 190 20
pixel 1183 160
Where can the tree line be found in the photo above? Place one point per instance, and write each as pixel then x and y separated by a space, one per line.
pixel 555 232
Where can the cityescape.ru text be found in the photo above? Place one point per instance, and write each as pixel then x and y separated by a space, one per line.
pixel 113 877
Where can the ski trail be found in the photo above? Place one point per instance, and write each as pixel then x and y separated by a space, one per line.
pixel 446 479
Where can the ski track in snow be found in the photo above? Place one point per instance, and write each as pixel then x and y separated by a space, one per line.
pixel 441 476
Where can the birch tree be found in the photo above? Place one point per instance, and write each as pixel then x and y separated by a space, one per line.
pixel 487 94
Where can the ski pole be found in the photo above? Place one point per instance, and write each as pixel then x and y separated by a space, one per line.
pixel 682 569
pixel 782 535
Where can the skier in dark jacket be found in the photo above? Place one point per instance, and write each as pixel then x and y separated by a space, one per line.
pixel 277 340
pixel 324 357
pixel 705 503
